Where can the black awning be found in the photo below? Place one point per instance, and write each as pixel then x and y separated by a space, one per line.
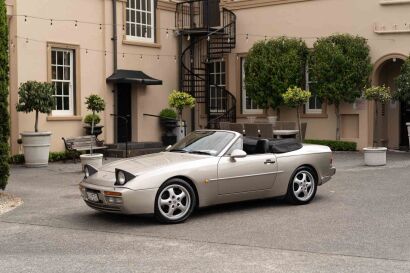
pixel 132 76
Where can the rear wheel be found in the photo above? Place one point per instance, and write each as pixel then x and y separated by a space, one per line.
pixel 302 186
pixel 175 201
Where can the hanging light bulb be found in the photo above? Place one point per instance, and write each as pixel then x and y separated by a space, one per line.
pixel 25 18
pixel 189 37
pixel 158 58
pixel 51 22
pixel 175 58
pixel 105 52
pixel 76 23
pixel 26 40
pixel 123 27
pixel 229 40
pixel 100 26
pixel 209 38
pixel 141 56
pixel 123 55
pixel 167 33
pixel 247 37
pixel 86 51
pixel 266 37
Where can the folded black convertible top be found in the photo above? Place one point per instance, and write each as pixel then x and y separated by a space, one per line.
pixel 277 146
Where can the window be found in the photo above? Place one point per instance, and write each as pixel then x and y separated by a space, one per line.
pixel 248 105
pixel 217 99
pixel 140 20
pixel 314 105
pixel 62 76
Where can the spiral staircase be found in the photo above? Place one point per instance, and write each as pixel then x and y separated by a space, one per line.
pixel 207 33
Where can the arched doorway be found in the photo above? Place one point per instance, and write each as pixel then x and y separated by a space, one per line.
pixel 390 128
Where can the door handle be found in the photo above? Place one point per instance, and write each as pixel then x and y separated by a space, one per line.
pixel 269 161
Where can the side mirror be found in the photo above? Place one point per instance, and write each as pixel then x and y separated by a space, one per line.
pixel 238 154
pixel 168 148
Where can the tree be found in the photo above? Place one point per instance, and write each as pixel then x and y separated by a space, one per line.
pixel 273 66
pixel 179 100
pixel 379 94
pixel 340 67
pixel 403 83
pixel 295 97
pixel 36 96
pixel 96 104
pixel 4 95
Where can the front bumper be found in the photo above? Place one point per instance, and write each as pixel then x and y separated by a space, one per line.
pixel 133 201
pixel 326 178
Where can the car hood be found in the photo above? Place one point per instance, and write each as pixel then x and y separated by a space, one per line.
pixel 140 164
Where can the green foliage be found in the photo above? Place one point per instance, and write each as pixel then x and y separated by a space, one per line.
pixel 95 103
pixel 295 96
pixel 334 145
pixel 273 66
pixel 403 83
pixel 179 100
pixel 16 159
pixel 92 117
pixel 378 93
pixel 340 66
pixel 36 96
pixel 168 113
pixel 4 97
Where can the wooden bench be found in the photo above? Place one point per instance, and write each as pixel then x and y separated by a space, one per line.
pixel 81 144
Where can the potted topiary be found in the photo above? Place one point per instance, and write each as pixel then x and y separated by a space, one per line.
pixel 296 97
pixel 168 120
pixel 95 104
pixel 37 97
pixel 88 119
pixel 179 100
pixel 376 156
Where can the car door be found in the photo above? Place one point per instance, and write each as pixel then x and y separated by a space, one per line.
pixel 250 173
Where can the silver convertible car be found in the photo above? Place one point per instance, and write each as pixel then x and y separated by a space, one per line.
pixel 208 167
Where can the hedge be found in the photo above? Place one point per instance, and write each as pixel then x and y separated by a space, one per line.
pixel 335 145
pixel 53 157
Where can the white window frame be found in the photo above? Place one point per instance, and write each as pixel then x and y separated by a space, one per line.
pixel 247 111
pixel 70 111
pixel 219 99
pixel 138 24
pixel 313 110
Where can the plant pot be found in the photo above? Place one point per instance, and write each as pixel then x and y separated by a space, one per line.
pixel 168 137
pixel 94 160
pixel 375 156
pixel 272 119
pixel 97 130
pixel 36 147
pixel 180 130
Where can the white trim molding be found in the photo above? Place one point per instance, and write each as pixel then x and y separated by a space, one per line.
pixel 394 2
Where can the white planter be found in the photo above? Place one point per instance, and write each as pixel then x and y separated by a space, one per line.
pixel 36 147
pixel 272 119
pixel 94 160
pixel 180 130
pixel 375 156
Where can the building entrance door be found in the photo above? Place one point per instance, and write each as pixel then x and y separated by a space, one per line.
pixel 124 125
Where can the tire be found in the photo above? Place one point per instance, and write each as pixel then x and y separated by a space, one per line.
pixel 302 186
pixel 175 201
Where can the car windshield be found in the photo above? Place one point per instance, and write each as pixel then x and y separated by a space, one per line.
pixel 203 142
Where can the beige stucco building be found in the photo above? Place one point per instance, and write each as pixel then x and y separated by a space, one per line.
pixel 72 43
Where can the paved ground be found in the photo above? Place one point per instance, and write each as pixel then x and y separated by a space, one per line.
pixel 359 222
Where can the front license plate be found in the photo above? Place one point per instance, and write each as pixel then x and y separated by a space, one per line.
pixel 91 196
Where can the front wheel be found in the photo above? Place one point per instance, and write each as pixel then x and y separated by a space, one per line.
pixel 302 186
pixel 175 201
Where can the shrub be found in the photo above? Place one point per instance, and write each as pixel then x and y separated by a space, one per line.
pixel 96 104
pixel 88 119
pixel 334 145
pixel 52 157
pixel 168 113
pixel 4 97
pixel 403 83
pixel 271 67
pixel 36 96
pixel 340 67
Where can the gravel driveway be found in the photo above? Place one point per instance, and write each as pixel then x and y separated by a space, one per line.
pixel 359 222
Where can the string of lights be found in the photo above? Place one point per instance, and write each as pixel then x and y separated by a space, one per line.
pixel 168 30
pixel 105 52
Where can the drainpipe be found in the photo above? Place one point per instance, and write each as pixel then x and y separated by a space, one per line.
pixel 114 33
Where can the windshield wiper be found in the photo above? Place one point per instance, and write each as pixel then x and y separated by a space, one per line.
pixel 178 150
pixel 200 152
